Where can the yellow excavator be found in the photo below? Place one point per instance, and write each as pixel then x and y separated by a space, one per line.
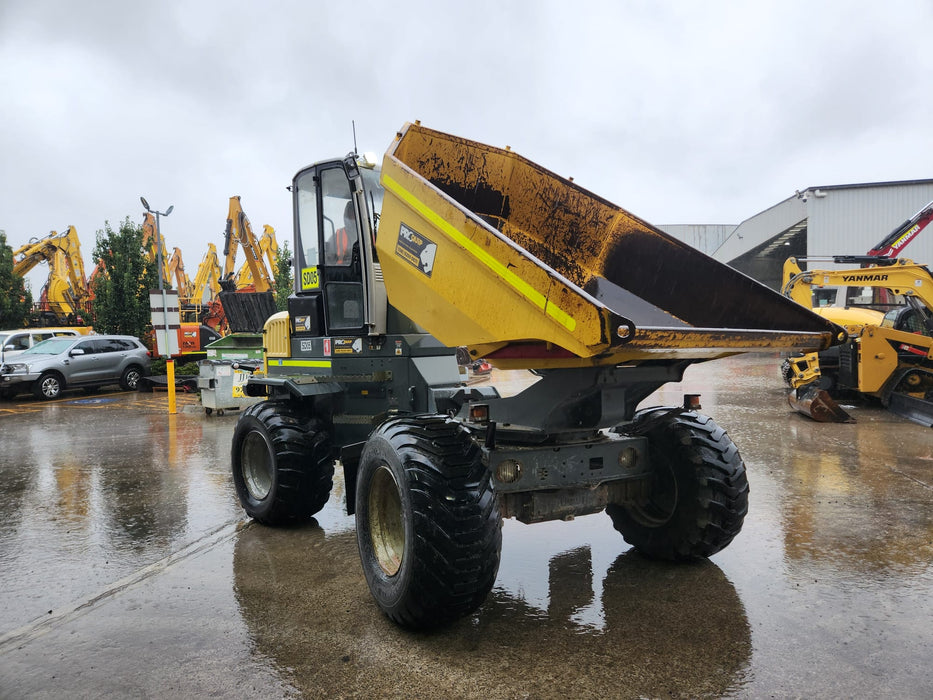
pixel 176 271
pixel 206 285
pixel 238 233
pixel 153 241
pixel 886 306
pixel 205 290
pixel 246 298
pixel 270 252
pixel 65 295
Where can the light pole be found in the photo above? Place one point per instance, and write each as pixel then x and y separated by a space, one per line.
pixel 158 214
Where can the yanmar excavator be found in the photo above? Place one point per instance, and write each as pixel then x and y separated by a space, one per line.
pixel 65 295
pixel 889 354
pixel 455 243
pixel 892 245
pixel 857 299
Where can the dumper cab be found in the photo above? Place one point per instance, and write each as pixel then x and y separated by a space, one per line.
pixel 338 288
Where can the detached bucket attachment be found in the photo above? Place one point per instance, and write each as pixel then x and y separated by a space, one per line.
pixel 816 403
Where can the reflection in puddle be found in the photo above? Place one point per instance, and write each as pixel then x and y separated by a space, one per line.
pixel 653 629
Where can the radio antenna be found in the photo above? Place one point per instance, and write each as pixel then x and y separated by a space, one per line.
pixel 353 123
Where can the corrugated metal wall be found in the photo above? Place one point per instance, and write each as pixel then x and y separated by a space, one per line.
pixel 704 237
pixel 851 220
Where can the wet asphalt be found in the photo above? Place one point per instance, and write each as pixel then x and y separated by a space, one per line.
pixel 127 569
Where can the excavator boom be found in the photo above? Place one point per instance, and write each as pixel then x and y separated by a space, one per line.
pixel 66 291
pixel 892 245
pixel 239 233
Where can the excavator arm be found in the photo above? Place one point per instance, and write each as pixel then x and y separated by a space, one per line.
pixel 152 240
pixel 176 268
pixel 66 291
pixel 239 233
pixel 270 251
pixel 901 276
pixel 894 243
pixel 207 278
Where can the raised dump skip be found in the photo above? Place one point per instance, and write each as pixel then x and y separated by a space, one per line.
pixel 486 249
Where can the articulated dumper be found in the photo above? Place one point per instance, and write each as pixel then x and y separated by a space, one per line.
pixel 454 244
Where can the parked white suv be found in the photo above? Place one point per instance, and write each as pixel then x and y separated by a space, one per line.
pixel 88 361
pixel 12 343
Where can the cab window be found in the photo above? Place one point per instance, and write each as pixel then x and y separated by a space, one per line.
pixel 306 219
pixel 341 232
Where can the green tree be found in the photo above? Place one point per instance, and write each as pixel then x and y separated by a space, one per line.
pixel 121 292
pixel 283 278
pixel 15 299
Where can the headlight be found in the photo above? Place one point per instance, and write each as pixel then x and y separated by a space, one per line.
pixel 15 368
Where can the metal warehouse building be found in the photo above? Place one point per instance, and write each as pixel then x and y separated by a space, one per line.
pixel 817 221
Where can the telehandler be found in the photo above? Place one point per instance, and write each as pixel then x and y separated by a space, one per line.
pixel 454 243
pixel 889 353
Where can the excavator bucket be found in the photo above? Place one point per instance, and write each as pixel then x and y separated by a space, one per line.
pixel 816 403
pixel 527 269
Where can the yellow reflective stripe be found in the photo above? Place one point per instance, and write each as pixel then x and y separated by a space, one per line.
pixel 525 289
pixel 323 364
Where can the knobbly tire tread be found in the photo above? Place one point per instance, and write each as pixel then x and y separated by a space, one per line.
pixel 712 489
pixel 452 557
pixel 304 463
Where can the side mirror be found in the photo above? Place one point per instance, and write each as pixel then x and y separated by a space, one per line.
pixel 76 352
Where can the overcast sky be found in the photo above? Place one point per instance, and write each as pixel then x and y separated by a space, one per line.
pixel 681 112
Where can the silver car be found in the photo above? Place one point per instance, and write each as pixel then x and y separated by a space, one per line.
pixel 88 361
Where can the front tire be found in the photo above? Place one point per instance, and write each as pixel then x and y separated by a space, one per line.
pixel 427 521
pixel 48 386
pixel 283 463
pixel 699 495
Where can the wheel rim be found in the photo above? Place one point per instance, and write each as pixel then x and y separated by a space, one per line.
pixel 132 379
pixel 256 466
pixel 50 387
pixel 386 525
pixel 661 504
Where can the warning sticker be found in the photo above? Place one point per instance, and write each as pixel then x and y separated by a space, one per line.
pixel 415 249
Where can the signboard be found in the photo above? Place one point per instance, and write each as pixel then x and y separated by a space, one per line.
pixel 166 320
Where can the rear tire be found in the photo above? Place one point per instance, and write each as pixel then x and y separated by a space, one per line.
pixel 283 464
pixel 131 376
pixel 427 521
pixel 48 386
pixel 699 494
